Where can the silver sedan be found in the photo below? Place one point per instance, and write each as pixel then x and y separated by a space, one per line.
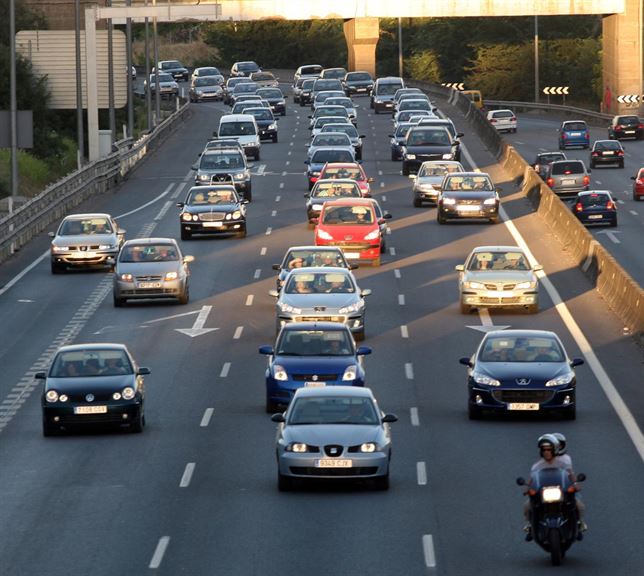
pixel 321 295
pixel 427 183
pixel 333 433
pixel 498 276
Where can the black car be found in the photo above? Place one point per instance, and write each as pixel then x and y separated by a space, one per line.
pixel 173 67
pixel 221 165
pixel 266 122
pixel 543 161
pixel 306 92
pixel 358 83
pixel 626 127
pixel 323 156
pixel 92 384
pixel 230 86
pixel 329 189
pixel 595 207
pixel 275 98
pixel 239 69
pixel 424 143
pixel 607 152
pixel 468 195
pixel 212 210
pixel 519 371
pixel 397 139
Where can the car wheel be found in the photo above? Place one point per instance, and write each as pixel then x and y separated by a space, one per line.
pixel 184 297
pixel 382 482
pixel 494 220
pixel 275 139
pixel 393 157
pixel 56 268
pixel 418 203
pixel 248 195
pixel 621 164
pixel 185 234
pixel 474 413
pixel 136 427
pixel 257 156
pixel 376 110
pixel 271 407
pixel 592 164
pixel 284 483
pixel 359 155
pixel 465 308
pixel 440 219
pixel 613 223
pixel 383 247
pixel 118 302
pixel 405 169
pixel 561 147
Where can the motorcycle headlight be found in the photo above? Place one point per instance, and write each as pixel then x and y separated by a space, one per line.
pixel 51 396
pixel 297 447
pixel 186 216
pixel 324 235
pixel 561 380
pixel 373 235
pixel 489 201
pixel 350 373
pixel 171 275
pixel 355 307
pixel 203 177
pixel 485 380
pixel 288 308
pixel 126 277
pixel 474 285
pixel 279 373
pixel 449 201
pixel 551 494
pixel 368 447
pixel 526 285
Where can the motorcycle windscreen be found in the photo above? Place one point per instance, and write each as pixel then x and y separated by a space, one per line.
pixel 550 477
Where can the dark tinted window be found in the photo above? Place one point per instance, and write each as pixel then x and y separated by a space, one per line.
pixel 358 76
pixel 310 70
pixel 566 167
pixel 628 120
pixel 595 199
pixel 574 126
pixel 608 145
pixel 321 156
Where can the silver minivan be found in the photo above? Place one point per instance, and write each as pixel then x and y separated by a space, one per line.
pixel 243 128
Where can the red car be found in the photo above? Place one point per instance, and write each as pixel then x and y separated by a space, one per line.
pixel 351 170
pixel 638 184
pixel 351 224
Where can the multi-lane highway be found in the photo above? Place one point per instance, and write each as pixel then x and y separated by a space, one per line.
pixel 196 493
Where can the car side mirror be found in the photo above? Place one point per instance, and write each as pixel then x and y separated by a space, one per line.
pixel 277 267
pixel 580 477
pixel 460 134
pixel 40 376
pixel 465 362
pixel 120 232
pixel 633 178
pixel 268 350
pixel 51 234
pixel 353 266
pixel 143 371
pixel 459 267
pixel 188 259
pixel 195 166
pixel 273 293
pixel 497 189
pixel 180 204
pixel 278 418
pixel 214 133
pixel 365 292
pixel 306 162
pixel 390 136
pixel 387 216
pixel 245 201
pixel 537 268
pixel 362 136
pixel 577 362
pixel 371 180
pixel 412 176
pixel 388 418
pixel 363 351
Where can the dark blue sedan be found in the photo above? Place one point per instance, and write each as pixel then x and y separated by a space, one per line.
pixel 518 371
pixel 311 354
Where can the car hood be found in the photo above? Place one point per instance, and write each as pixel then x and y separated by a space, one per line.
pixel 430 149
pixel 479 195
pixel 229 207
pixel 148 268
pixel 315 364
pixel 323 300
pixel 87 384
pixel 538 373
pixel 499 276
pixel 85 239
pixel 322 434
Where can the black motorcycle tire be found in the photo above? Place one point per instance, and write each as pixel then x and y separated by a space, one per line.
pixel 554 543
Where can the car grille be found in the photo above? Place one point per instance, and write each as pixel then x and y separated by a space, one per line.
pixel 333 450
pixel 149 292
pixel 212 216
pixel 500 286
pixel 507 300
pixel 528 395
pixel 353 246
pixel 357 471
pixel 85 248
pixel 314 377
pixel 320 319
pixel 109 418
pixel 149 278
pixel 468 202
pixel 214 178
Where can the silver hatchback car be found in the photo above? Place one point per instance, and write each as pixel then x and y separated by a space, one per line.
pixel 151 268
pixel 427 183
pixel 498 276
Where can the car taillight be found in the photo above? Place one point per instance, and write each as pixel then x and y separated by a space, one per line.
pixel 513 119
pixel 586 180
pixel 618 128
pixel 620 152
pixel 565 135
pixel 550 181
pixel 639 181
pixel 579 207
pixel 640 126
pixel 492 120
pixel 595 154
pixel 610 205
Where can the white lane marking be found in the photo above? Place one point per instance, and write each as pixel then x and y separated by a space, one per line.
pixel 633 212
pixel 388 231
pixel 598 182
pixel 409 371
pixel 413 415
pixel 274 213
pixel 382 184
pixel 257 274
pixel 289 153
pixel 284 173
pixel 238 332
pixel 379 172
pixel 178 191
pixel 404 332
pixel 421 473
pixel 169 187
pixel 157 557
pixel 620 201
pixel 290 143
pixel 163 211
pixel 187 475
pixel 207 415
pixel 262 252
pixel 383 198
pixel 613 238
pixel 249 300
pixel 428 551
pixel 287 162
pixel 268 231
pixel 278 198
pixel 261 169
pixel 486 319
pixel 397 273
pixel 392 250
pixel 224 370
pixel 188 176
pixel 401 299
pixel 281 184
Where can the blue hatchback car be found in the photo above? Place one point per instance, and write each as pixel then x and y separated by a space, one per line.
pixel 574 133
pixel 311 354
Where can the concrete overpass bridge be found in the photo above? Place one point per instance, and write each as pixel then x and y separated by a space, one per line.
pixel 623 24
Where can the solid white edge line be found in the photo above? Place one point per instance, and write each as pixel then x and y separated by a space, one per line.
pixel 428 551
pixel 624 414
pixel 157 557
pixel 207 415
pixel 413 416
pixel 421 473
pixel 187 475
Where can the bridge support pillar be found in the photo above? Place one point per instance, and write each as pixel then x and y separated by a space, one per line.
pixel 362 36
pixel 623 53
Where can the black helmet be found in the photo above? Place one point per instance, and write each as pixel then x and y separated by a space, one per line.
pixel 548 440
pixel 561 440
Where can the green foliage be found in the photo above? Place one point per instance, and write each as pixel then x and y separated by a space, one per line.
pixel 423 66
pixel 33 173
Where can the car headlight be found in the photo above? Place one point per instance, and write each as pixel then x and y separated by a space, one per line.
pixel 51 396
pixel 272 126
pixel 410 156
pixel 203 177
pixel 368 447
pixel 355 307
pixel 236 215
pixel 281 102
pixel 239 176
pixel 490 201
pixel 199 93
pixel 59 248
pixel 551 494
pixel 324 235
pixel 128 393
pixel 448 156
pixel 106 246
pixel 126 277
pixel 526 285
pixel 449 201
pixel 247 144
pixel 474 285
pixel 279 373
pixel 373 235
pixel 350 373
pixel 284 307
pixel 314 173
pixel 171 275
pixel 297 447
pixel 561 380
pixel 485 380
pixel 316 207
pixel 186 216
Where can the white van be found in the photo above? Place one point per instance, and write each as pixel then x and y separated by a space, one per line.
pixel 382 95
pixel 243 128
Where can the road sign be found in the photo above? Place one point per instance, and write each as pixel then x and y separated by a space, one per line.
pixel 561 90
pixel 454 85
pixel 629 98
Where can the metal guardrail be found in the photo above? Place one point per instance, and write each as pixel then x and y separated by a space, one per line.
pixel 97 177
pixel 595 118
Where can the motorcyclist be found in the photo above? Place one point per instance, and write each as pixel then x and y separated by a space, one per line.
pixel 565 459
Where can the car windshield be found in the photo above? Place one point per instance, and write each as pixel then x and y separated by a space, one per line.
pixel 83 363
pixel 387 89
pixel 559 168
pixel 333 410
pixel 509 348
pixel 84 226
pixel 425 137
pixel 327 84
pixel 208 72
pixel 149 253
pixel 319 283
pixel 206 81
pixel 468 183
pixel 261 113
pixel 313 258
pixel 171 65
pixel 327 110
pixel 241 128
pixel 309 70
pixel 263 76
pixel 162 78
pixel 245 88
pixel 315 343
pixel 358 76
pixel 246 66
pixel 334 73
pixel 574 126
pixel 352 172
pixel 414 105
pixel 436 169
pixel 211 197
pixel 221 161
pixel 232 82
pixel 343 215
pixel 308 84
pixel 331 155
pixel 498 261
pixel 348 129
pixel 270 93
pixel 335 189
pixel 331 139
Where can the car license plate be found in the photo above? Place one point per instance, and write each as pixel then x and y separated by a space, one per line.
pixel 595 216
pixel 212 224
pixel 90 409
pixel 523 406
pixel 467 208
pixel 389 104
pixel 500 294
pixel 361 90
pixel 352 254
pixel 84 255
pixel 330 463
pixel 149 285
pixel 568 181
pixel 575 133
pixel 629 131
pixel 315 384
pixel 608 152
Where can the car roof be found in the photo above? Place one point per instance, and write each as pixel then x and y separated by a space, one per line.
pixel 348 391
pixel 472 173
pixel 312 247
pixel 349 202
pixel 320 270
pixel 498 249
pixel 92 346
pixel 525 333
pixel 590 192
pixel 343 164
pixel 87 215
pixel 236 118
pixel 158 240
pixel 315 326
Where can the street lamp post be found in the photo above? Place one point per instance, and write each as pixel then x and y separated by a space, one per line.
pixel 13 105
pixel 80 136
pixel 400 48
pixel 536 58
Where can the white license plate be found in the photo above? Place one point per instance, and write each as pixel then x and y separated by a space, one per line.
pixel 361 90
pixel 85 255
pixel 352 254
pixel 149 285
pixel 467 208
pixel 389 104
pixel 608 153
pixel 500 294
pixel 212 224
pixel 315 384
pixel 567 181
pixel 629 131
pixel 330 463
pixel 523 406
pixel 575 133
pixel 90 410
pixel 595 216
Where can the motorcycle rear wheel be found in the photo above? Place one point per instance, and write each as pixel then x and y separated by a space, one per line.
pixel 554 543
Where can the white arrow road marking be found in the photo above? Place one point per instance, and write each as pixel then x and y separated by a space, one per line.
pixel 612 235
pixel 171 317
pixel 198 327
pixel 486 322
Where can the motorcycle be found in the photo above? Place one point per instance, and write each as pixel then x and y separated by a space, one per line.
pixel 554 517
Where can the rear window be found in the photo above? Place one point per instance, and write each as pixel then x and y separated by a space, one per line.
pixel 321 156
pixel 559 168
pixel 311 70
pixel 549 158
pixel 574 126
pixel 608 145
pixel 388 88
pixel 594 199
pixel 503 114
pixel 237 129
pixel 628 120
